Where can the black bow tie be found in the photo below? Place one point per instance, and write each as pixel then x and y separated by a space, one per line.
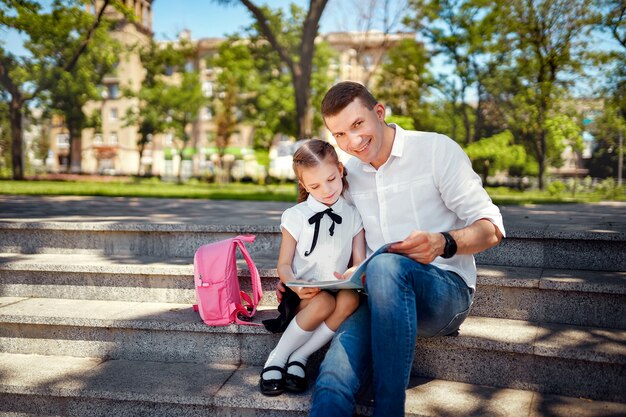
pixel 317 219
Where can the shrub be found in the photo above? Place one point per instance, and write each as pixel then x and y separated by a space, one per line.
pixel 556 188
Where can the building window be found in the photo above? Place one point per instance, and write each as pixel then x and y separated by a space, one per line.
pixel 207 88
pixel 169 70
pixel 63 141
pixel 97 139
pixel 113 138
pixel 113 113
pixel 368 62
pixel 113 90
pixel 189 67
pixel 206 114
pixel 146 16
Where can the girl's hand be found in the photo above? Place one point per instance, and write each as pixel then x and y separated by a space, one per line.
pixel 280 291
pixel 305 292
pixel 347 274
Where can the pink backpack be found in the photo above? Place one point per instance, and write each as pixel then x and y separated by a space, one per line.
pixel 220 300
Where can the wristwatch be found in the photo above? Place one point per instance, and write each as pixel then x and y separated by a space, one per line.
pixel 450 248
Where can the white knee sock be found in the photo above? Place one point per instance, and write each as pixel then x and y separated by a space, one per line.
pixel 292 339
pixel 320 337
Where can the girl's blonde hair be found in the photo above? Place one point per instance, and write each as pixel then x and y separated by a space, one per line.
pixel 310 154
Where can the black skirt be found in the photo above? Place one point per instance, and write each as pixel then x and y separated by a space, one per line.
pixel 287 308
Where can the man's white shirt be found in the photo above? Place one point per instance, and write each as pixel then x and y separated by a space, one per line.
pixel 427 184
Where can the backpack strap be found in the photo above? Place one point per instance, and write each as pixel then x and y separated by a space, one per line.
pixel 257 291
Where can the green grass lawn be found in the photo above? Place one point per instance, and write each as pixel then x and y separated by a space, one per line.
pixel 155 189
pixel 236 191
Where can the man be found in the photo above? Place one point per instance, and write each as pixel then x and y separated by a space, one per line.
pixel 417 189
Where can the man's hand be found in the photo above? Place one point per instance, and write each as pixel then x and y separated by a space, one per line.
pixel 422 247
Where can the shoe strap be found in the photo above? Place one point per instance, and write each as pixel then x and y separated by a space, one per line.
pixel 296 363
pixel 272 368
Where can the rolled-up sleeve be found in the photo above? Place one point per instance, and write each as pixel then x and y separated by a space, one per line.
pixel 460 187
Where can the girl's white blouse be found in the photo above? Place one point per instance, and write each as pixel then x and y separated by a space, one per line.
pixel 331 253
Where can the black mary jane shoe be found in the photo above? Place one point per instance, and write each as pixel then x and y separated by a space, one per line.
pixel 272 387
pixel 295 383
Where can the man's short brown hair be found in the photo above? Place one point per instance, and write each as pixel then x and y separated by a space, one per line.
pixel 342 94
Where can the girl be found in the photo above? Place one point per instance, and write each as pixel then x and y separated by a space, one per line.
pixel 320 236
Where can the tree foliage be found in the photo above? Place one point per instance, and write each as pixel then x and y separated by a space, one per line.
pixel 170 98
pixel 261 83
pixel 54 47
pixel 299 64
pixel 463 32
pixel 403 81
pixel 496 153
pixel 545 42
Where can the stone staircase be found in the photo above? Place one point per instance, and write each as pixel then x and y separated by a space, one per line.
pixel 96 319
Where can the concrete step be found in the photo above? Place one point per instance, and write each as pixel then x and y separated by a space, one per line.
pixel 36 385
pixel 559 359
pixel 586 298
pixel 559 248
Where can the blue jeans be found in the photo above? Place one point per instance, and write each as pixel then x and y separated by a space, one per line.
pixel 405 300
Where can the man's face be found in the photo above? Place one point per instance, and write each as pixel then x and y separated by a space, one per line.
pixel 360 131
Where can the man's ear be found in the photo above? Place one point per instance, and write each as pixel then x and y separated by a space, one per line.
pixel 379 108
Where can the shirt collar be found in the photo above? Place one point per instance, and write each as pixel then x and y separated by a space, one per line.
pixel 398 143
pixel 317 207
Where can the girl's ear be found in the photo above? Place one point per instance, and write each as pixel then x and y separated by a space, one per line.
pixel 302 186
pixel 340 166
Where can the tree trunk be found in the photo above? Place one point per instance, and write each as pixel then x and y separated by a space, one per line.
pixel 303 107
pixel 76 150
pixel 300 71
pixel 17 143
pixel 142 148
pixel 541 157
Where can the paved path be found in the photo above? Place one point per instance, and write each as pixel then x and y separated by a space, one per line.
pixel 608 217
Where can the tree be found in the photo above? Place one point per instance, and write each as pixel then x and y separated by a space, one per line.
pixel 147 114
pixel 235 75
pixel 76 87
pixel 463 32
pixel 299 65
pixel 606 129
pixel 182 103
pixel 496 153
pixel 545 42
pixel 612 18
pixel 51 47
pixel 170 97
pixel 262 90
pixel 375 21
pixel 403 81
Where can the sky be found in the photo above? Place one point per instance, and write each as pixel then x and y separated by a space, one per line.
pixel 208 18
pixel 205 18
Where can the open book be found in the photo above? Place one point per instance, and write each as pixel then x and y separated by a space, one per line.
pixel 355 282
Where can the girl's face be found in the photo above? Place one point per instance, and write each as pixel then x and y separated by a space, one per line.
pixel 323 181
